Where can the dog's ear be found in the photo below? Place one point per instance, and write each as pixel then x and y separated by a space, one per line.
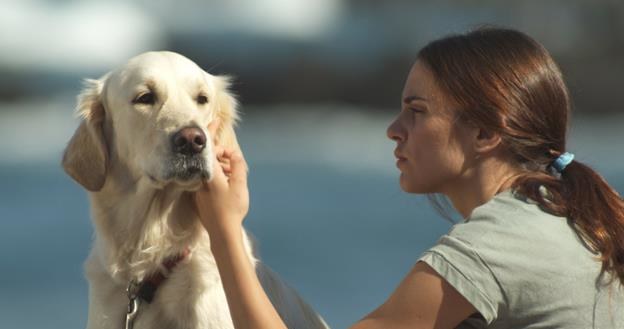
pixel 226 111
pixel 86 155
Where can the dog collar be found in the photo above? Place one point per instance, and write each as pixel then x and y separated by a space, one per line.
pixel 146 289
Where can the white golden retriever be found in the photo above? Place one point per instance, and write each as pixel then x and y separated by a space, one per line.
pixel 141 150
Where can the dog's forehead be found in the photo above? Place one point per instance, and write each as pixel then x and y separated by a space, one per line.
pixel 153 66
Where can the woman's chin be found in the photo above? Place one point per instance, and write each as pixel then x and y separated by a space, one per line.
pixel 406 185
pixel 409 186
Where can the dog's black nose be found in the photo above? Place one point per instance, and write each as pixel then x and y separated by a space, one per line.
pixel 189 141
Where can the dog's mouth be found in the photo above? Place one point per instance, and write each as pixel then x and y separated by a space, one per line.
pixel 185 171
pixel 187 168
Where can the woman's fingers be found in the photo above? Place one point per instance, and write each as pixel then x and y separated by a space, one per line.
pixel 213 127
pixel 223 155
pixel 224 160
pixel 225 195
pixel 238 175
pixel 226 168
pixel 231 161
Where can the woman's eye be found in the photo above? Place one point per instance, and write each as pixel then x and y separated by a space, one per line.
pixel 148 98
pixel 202 99
pixel 416 110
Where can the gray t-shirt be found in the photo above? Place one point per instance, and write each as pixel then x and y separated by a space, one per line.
pixel 521 267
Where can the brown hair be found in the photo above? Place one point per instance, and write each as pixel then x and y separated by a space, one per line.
pixel 507 83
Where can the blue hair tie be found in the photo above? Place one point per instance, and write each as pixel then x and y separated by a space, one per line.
pixel 562 161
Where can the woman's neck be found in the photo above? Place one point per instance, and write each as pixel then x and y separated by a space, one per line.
pixel 480 185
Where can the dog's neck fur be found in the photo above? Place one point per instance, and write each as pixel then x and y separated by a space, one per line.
pixel 141 225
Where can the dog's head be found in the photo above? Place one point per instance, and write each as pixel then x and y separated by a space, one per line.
pixel 151 117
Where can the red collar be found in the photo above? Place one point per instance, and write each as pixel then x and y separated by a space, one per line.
pixel 146 289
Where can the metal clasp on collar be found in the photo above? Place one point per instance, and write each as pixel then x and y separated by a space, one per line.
pixel 133 304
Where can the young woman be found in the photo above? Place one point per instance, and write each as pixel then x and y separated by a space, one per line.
pixel 483 121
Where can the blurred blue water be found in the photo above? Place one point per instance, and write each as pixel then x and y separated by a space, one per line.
pixel 342 240
pixel 343 234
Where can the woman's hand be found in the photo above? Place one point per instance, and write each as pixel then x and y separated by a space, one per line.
pixel 222 204
pixel 223 201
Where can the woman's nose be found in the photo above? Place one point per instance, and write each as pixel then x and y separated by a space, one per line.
pixel 393 132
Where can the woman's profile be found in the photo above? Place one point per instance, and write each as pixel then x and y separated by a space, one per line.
pixel 483 121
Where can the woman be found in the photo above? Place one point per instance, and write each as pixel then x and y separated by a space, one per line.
pixel 483 122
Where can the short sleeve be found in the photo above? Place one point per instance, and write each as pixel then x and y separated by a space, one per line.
pixel 461 266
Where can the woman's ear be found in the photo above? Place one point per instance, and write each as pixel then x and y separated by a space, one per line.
pixel 486 141
pixel 86 156
pixel 226 112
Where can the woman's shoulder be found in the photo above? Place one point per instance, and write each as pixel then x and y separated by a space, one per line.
pixel 509 215
pixel 505 207
pixel 507 247
pixel 510 232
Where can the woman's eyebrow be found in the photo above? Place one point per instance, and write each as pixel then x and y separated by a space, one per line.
pixel 412 98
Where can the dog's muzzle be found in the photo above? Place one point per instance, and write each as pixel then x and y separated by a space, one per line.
pixel 187 146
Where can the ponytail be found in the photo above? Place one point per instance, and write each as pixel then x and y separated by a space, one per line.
pixel 507 83
pixel 595 210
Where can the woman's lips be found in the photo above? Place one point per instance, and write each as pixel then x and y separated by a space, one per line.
pixel 400 159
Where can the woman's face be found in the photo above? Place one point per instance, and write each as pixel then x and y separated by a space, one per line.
pixel 432 146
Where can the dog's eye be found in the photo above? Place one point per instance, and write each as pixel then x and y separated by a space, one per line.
pixel 147 98
pixel 202 99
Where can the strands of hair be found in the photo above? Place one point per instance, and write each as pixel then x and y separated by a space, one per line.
pixel 507 83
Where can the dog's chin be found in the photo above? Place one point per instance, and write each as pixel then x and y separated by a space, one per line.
pixel 190 180
pixel 193 183
pixel 181 172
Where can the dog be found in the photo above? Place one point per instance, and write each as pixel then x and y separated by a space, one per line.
pixel 141 150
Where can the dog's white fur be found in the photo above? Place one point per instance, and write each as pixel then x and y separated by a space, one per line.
pixel 141 201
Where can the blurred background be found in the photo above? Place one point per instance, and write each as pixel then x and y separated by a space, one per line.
pixel 319 81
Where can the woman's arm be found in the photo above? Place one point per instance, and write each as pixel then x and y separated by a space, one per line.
pixel 249 305
pixel 422 300
pixel 222 205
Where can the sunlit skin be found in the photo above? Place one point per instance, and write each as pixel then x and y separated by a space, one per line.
pixel 433 148
pixel 436 153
